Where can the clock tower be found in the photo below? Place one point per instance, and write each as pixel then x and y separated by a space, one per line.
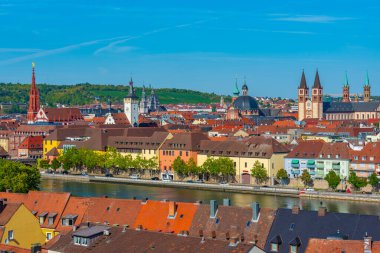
pixel 131 106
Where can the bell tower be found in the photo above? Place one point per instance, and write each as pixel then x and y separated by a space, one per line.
pixel 346 91
pixel 303 94
pixel 34 99
pixel 131 106
pixel 317 98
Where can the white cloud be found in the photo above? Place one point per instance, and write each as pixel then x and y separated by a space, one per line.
pixel 19 50
pixel 55 51
pixel 312 18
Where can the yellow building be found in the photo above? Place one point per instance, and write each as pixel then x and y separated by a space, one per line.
pixel 244 154
pixel 18 226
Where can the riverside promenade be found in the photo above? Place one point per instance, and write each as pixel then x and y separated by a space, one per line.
pixel 234 188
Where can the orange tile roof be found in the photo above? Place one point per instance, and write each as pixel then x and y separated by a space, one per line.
pixel 75 206
pixel 14 197
pixel 338 246
pixel 154 216
pixel 51 202
pixel 113 211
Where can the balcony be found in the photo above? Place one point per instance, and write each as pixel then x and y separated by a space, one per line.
pixel 320 166
pixel 295 172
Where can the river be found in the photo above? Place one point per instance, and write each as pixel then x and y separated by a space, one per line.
pixel 86 189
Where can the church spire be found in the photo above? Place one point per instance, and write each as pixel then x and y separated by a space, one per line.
pixel 303 84
pixel 236 92
pixel 317 82
pixel 367 80
pixel 346 84
pixel 34 98
pixel 131 92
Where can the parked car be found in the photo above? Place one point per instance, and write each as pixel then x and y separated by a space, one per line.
pixel 65 172
pixel 200 181
pixel 84 174
pixel 223 183
pixel 135 176
pixel 108 174
pixel 155 178
pixel 189 181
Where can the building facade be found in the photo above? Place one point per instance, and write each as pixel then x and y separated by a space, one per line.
pixel 131 106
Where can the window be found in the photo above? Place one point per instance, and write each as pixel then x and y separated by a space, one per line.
pixel 10 235
pixel 274 247
pixel 180 153
pixel 187 153
pixel 293 249
pixel 42 219
pixel 50 220
pixel 245 164
pixel 48 236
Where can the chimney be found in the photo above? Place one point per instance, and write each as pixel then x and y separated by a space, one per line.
pixel 367 243
pixel 227 236
pixel 213 234
pixel 255 211
pixel 172 209
pixel 233 241
pixel 139 227
pixel 200 232
pixel 295 209
pixel 322 211
pixel 213 208
pixel 226 202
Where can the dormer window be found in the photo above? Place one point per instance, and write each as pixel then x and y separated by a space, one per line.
pixel 84 237
pixel 51 218
pixel 69 219
pixel 294 245
pixel 41 217
pixel 275 244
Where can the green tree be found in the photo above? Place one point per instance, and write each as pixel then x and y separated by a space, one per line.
pixel 192 167
pixel 226 167
pixel 357 182
pixel 210 167
pixel 332 179
pixel 180 167
pixel 306 178
pixel 55 164
pixel 259 173
pixel 18 177
pixel 43 164
pixel 373 180
pixel 282 175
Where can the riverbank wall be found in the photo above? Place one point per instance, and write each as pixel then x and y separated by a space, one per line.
pixel 248 189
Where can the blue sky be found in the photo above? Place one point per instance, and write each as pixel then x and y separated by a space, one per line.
pixel 201 45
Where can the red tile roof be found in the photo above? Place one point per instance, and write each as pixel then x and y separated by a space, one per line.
pixel 32 142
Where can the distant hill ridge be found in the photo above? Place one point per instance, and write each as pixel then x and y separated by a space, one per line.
pixel 86 93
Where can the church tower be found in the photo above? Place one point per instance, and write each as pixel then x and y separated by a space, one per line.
pixel 143 102
pixel 346 91
pixel 303 94
pixel 236 92
pixel 131 106
pixel 367 90
pixel 316 99
pixel 34 99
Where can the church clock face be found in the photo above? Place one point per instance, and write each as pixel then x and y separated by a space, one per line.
pixel 308 105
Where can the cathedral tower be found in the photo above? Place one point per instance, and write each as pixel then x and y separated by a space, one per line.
pixel 317 98
pixel 346 91
pixel 131 106
pixel 143 102
pixel 303 94
pixel 367 90
pixel 34 99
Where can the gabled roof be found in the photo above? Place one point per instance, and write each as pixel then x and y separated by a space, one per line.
pixel 307 224
pixel 154 216
pixel 62 114
pixel 32 142
pixel 47 202
pixel 53 152
pixel 235 221
pixel 76 208
pixel 334 246
pixel 7 213
pixel 130 240
pixel 191 141
pixel 112 211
